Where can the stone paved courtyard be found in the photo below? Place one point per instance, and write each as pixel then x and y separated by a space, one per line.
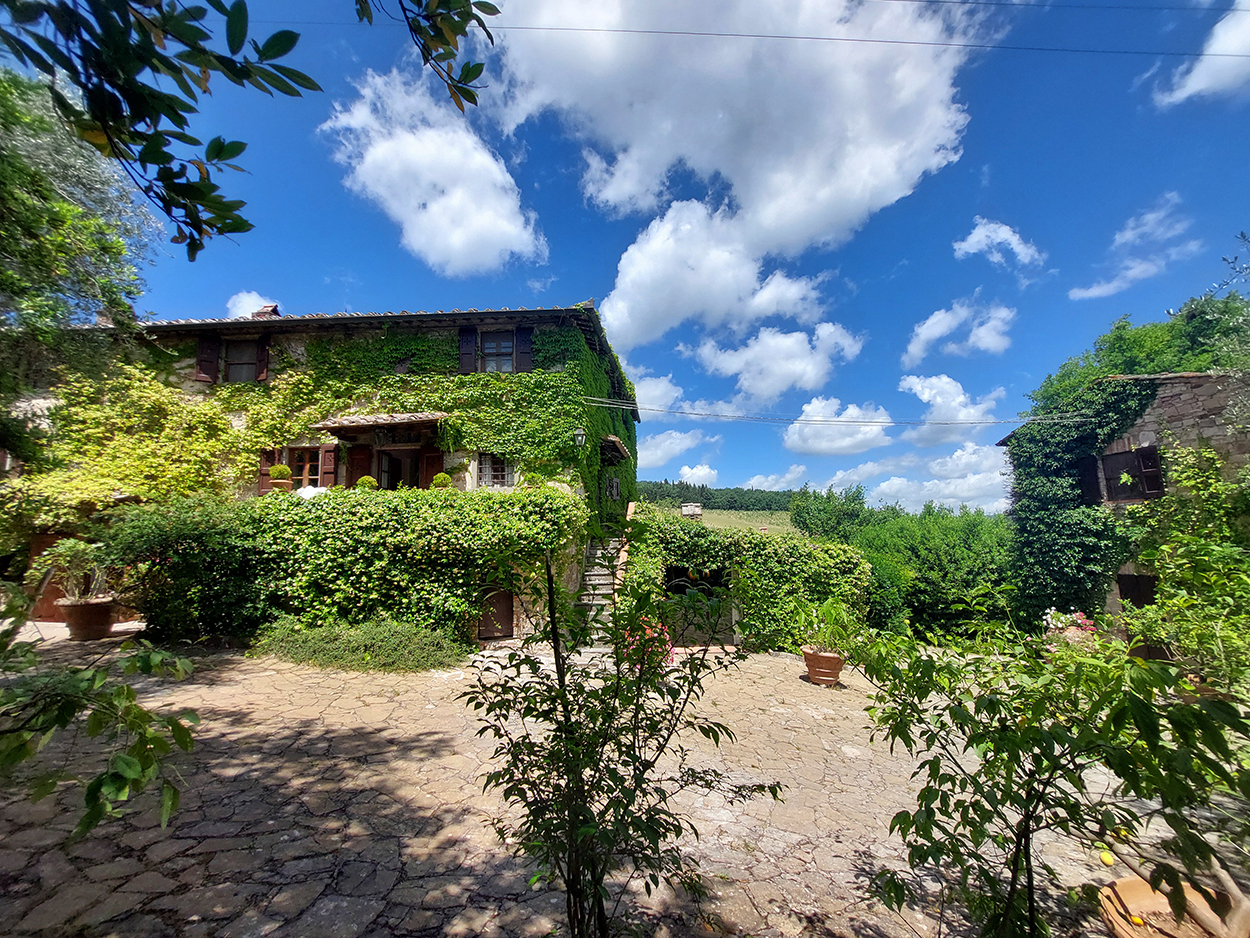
pixel 326 804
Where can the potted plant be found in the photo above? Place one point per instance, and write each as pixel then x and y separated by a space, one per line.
pixel 829 629
pixel 280 477
pixel 79 569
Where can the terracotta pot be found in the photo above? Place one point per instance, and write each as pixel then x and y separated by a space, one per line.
pixel 88 619
pixel 280 485
pixel 1132 898
pixel 823 667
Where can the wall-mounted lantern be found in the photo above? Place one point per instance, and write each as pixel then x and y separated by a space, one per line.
pixel 579 437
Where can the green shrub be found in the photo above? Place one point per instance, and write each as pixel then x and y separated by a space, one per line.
pixel 280 473
pixel 381 644
pixel 770 572
pixel 197 567
pixel 367 483
pixel 203 567
pixel 887 592
pixel 441 481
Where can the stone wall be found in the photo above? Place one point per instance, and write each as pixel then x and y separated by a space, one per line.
pixel 1193 410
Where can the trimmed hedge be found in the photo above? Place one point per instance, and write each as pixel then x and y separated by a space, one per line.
pixel 770 572
pixel 206 568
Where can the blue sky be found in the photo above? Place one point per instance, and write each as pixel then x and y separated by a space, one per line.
pixel 875 236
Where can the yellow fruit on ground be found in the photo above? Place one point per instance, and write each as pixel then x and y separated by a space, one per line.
pixel 1136 921
pixel 1107 857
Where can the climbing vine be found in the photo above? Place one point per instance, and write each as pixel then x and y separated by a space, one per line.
pixel 133 433
pixel 1066 553
pixel 769 572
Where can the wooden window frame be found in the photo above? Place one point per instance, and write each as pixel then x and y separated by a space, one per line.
pixel 1144 468
pixel 305 471
pixel 491 356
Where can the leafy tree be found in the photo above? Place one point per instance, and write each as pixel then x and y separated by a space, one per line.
pixel 1197 539
pixel 835 515
pixel 668 494
pixel 589 747
pixel 1016 736
pixel 140 66
pixel 36 703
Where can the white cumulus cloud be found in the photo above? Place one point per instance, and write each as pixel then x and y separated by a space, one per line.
pixel 1223 68
pixel 702 474
pixel 868 470
pixel 969 459
pixel 987 330
pixel 420 162
pixel 950 408
pixel 773 362
pixel 246 302
pixel 979 489
pixel 658 448
pixel 837 431
pixel 1143 248
pixel 991 238
pixel 778 482
pixel 797 146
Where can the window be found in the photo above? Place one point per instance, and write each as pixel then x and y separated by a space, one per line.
pixel 305 467
pixel 497 352
pixel 1138 589
pixel 1133 475
pixel 241 360
pixel 614 488
pixel 493 471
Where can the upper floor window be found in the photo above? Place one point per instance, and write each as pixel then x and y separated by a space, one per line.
pixel 497 352
pixel 241 360
pixel 493 471
pixel 1133 475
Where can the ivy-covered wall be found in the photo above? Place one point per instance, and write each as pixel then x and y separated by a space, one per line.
pixel 1066 553
pixel 148 430
pixel 769 572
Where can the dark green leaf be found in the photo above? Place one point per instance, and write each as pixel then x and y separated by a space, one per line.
pixel 236 26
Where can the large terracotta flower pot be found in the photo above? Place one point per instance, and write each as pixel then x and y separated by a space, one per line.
pixel 1131 909
pixel 281 485
pixel 88 619
pixel 823 667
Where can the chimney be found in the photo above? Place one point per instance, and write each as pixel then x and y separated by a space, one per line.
pixel 268 311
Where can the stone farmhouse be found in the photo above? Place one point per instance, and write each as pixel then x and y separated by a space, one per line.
pixel 1189 409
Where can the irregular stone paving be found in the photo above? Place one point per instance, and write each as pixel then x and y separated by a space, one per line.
pixel 327 804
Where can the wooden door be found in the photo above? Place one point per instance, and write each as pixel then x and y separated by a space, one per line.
pixel 431 465
pixel 496 617
pixel 359 462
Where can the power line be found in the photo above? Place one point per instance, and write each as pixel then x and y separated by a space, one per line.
pixel 930 43
pixel 835 421
pixel 865 40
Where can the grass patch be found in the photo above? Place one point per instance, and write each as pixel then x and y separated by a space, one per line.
pixel 777 522
pixel 377 645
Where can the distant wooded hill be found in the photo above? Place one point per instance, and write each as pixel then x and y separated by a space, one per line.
pixel 672 494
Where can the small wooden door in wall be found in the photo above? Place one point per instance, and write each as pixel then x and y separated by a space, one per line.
pixel 431 465
pixel 496 617
pixel 359 462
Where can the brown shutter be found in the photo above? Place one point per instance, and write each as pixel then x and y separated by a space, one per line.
pixel 359 462
pixel 524 348
pixel 208 359
pixel 268 458
pixel 329 465
pixel 468 350
pixel 262 358
pixel 1087 473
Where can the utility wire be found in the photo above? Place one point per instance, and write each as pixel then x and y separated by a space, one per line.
pixel 928 43
pixel 837 421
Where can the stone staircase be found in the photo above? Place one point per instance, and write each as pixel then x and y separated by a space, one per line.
pixel 599 575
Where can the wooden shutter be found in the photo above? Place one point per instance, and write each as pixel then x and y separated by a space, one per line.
pixel 268 458
pixel 1150 471
pixel 208 359
pixel 524 348
pixel 1087 474
pixel 262 358
pixel 468 350
pixel 329 465
pixel 1114 467
pixel 359 462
